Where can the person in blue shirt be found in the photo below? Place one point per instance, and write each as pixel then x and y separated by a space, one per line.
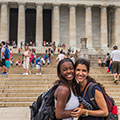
pixel 89 112
pixel 38 62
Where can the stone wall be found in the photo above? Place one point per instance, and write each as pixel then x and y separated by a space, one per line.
pixel 80 21
pixel 96 27
pixel 64 25
pixel 68 1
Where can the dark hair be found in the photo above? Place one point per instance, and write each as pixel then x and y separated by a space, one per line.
pixel 59 65
pixel 6 46
pixel 83 61
pixel 3 42
pixel 61 78
pixel 115 47
pixel 86 62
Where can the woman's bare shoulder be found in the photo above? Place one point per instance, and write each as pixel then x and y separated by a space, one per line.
pixel 62 90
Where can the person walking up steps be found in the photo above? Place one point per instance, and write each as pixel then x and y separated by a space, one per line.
pixel 38 62
pixel 115 57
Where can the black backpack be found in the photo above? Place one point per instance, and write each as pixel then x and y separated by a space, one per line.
pixel 109 101
pixel 44 108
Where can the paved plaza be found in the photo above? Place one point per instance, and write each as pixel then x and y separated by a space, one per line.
pixel 15 113
pixel 18 113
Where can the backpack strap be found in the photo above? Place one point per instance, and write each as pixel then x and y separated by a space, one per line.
pixel 90 95
pixel 86 89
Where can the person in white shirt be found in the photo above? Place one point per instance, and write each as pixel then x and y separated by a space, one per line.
pixel 60 56
pixel 26 60
pixel 115 57
pixel 73 59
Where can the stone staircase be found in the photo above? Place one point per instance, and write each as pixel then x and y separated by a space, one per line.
pixel 17 90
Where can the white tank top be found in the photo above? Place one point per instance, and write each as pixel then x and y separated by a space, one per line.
pixel 26 54
pixel 71 104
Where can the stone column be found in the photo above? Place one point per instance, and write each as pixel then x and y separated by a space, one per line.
pixel 117 26
pixel 88 26
pixel 4 22
pixel 104 37
pixel 72 26
pixel 39 25
pixel 21 24
pixel 56 24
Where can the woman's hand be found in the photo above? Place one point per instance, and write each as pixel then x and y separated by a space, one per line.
pixel 77 112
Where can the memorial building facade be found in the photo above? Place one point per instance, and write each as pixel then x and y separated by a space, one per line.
pixel 62 22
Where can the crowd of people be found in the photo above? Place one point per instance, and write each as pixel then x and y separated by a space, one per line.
pixel 112 62
pixel 31 60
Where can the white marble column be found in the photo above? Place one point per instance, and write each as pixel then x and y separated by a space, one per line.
pixel 39 25
pixel 88 26
pixel 4 22
pixel 72 26
pixel 21 24
pixel 117 26
pixel 104 32
pixel 56 25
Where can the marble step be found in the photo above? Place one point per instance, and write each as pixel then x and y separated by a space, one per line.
pixel 43 81
pixel 22 86
pixel 20 94
pixel 23 90
pixel 30 99
pixel 18 76
pixel 15 104
pixel 25 104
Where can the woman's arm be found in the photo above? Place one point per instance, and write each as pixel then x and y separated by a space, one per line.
pixel 61 95
pixel 102 112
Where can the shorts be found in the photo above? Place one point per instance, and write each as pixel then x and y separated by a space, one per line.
pixel 38 67
pixel 116 67
pixel 3 62
pixel 0 63
pixel 7 64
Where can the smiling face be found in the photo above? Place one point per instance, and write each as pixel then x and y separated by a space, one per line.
pixel 67 70
pixel 81 73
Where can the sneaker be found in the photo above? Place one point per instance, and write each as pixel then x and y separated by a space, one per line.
pixel 116 81
pixel 26 74
pixel 37 73
pixel 4 73
pixel 40 73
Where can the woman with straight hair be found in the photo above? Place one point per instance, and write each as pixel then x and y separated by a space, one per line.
pixel 88 111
